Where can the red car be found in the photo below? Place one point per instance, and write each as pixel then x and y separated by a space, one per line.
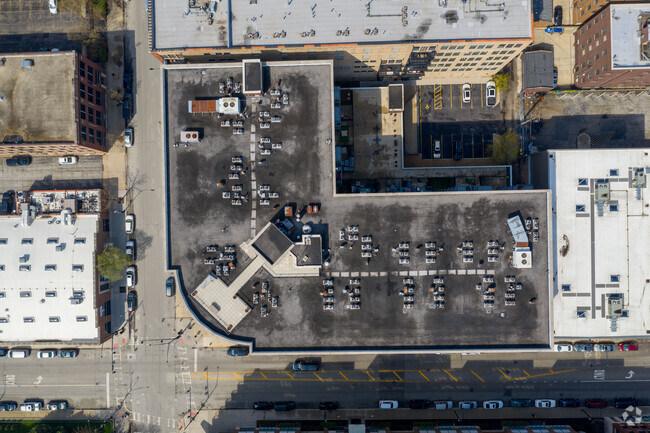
pixel 628 347
pixel 596 403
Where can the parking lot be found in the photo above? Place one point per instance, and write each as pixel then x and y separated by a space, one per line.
pixel 47 173
pixel 21 17
pixel 446 118
pixel 202 215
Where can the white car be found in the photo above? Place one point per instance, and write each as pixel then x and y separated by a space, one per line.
pixel 68 160
pixel 31 406
pixel 437 150
pixel 388 404
pixel 490 94
pixel 128 137
pixel 545 403
pixel 467 93
pixel 129 223
pixel 54 8
pixel 467 405
pixel 131 276
pixel 564 347
pixel 47 353
pixel 492 404
pixel 443 405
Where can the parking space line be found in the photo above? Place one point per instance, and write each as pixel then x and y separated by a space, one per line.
pixel 479 377
pixel 319 378
pixel 481 96
pixel 263 375
pixel 451 97
pixel 398 376
pixel 423 375
pixel 344 376
pixel 526 373
pixel 450 375
pixel 437 97
pixel 371 378
pixel 507 377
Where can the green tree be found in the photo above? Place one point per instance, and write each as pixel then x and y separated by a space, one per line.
pixel 505 148
pixel 501 81
pixel 111 262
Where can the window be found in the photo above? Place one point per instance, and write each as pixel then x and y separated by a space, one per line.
pixel 2 267
pixel 82 319
pixel 91 73
pixel 614 278
pixel 91 115
pixel 79 240
pixel 580 208
pixel 82 69
pixel 100 140
pixel 106 225
pixel 25 294
pixel 107 327
pixel 82 111
pixel 98 97
pixel 77 268
pixel 84 135
pixel 91 135
pixel 90 95
pixel 50 294
pixel 50 267
pixel 104 287
pixel 52 240
pixel 582 314
pixel 613 208
pixel 27 241
pixel 582 182
pixel 55 319
pixel 82 90
pixel 28 319
pixel 3 241
pixel 613 172
pixel 566 287
pixel 2 294
pixel 107 308
pixel 25 268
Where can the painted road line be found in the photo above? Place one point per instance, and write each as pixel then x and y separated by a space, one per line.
pixel 398 376
pixel 423 375
pixel 196 355
pixel 108 390
pixel 479 377
pixel 451 96
pixel 450 375
pixel 533 376
pixel 507 377
pixel 344 376
pixel 290 376
pixel 526 373
pixel 263 375
pixel 371 378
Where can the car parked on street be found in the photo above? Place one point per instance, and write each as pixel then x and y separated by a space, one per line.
pixel 284 406
pixel 237 351
pixel 3 352
pixel 467 93
pixel 128 137
pixel 596 403
pixel 129 249
pixel 303 365
pixel 629 346
pixel 492 404
pixel 68 160
pixel 563 347
pixel 170 287
pixel 388 404
pixel 545 403
pixel 68 353
pixel 583 347
pixel 129 224
pixel 131 276
pixel 31 405
pixel 57 405
pixel 262 405
pixel 47 353
pixel 521 402
pixel 437 150
pixel 467 405
pixel 18 353
pixel 328 405
pixel 8 405
pixel 18 161
pixel 419 404
pixel 132 301
pixel 604 347
pixel 569 402
pixel 458 149
pixel 443 404
pixel 490 94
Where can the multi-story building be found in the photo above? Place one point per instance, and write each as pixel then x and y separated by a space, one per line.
pixel 49 284
pixel 449 40
pixel 53 105
pixel 582 10
pixel 611 48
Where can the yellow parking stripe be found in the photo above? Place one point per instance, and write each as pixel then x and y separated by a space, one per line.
pixel 479 377
pixel 398 376
pixel 424 376
pixel 507 377
pixel 450 375
pixel 344 376
pixel 371 378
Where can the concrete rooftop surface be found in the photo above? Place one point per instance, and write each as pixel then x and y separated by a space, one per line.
pixel 287 22
pixel 302 173
pixel 627 21
pixel 39 100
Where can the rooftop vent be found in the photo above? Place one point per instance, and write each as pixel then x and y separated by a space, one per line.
pixel 27 64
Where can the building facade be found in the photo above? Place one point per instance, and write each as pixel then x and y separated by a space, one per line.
pixel 54 105
pixel 448 41
pixel 611 48
pixel 50 286
pixel 582 10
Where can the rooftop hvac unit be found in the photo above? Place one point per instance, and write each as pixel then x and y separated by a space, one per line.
pixel 189 137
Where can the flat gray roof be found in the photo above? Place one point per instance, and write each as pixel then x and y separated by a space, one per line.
pixel 282 22
pixel 626 35
pixel 538 69
pixel 272 243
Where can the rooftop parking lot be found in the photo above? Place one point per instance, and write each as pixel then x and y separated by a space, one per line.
pixel 301 172
pixel 47 173
pixel 445 117
pixel 18 17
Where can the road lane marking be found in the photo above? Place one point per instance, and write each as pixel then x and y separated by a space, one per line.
pixel 289 374
pixel 319 378
pixel 344 376
pixel 423 375
pixel 398 376
pixel 533 376
pixel 196 354
pixel 108 391
pixel 371 378
pixel 450 375
pixel 526 373
pixel 507 377
pixel 262 373
pixel 479 377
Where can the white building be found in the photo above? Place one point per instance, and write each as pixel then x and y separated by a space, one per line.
pixel 48 281
pixel 601 230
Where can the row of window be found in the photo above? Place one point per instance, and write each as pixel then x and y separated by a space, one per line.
pixel 92 96
pixel 87 71
pixel 52 319
pixel 48 294
pixel 30 241
pixel 27 268
pixel 96 136
pixel 93 116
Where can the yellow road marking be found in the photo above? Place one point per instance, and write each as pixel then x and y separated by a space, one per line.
pixel 289 374
pixel 398 376
pixel 451 97
pixel 371 378
pixel 236 375
pixel 550 373
pixel 424 376
pixel 319 378
pixel 344 376
pixel 507 377
pixel 526 373
pixel 264 375
pixel 450 375
pixel 479 377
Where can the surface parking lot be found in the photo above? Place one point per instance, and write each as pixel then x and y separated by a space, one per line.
pixel 446 118
pixel 47 173
pixel 19 17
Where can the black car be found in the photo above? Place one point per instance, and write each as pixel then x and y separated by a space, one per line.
pixel 19 160
pixel 458 150
pixel 419 404
pixel 3 352
pixel 569 402
pixel 237 351
pixel 623 403
pixel 262 405
pixel 284 406
pixel 328 405
pixel 557 16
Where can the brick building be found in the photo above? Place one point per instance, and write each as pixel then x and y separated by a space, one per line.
pixel 611 48
pixel 584 9
pixel 53 104
pixel 446 40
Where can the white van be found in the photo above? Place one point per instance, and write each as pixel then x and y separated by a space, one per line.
pixel 443 405
pixel 19 353
pixel 437 150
